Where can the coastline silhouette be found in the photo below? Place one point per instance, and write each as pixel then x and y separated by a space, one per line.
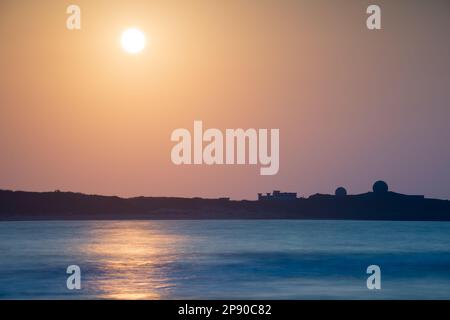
pixel 378 204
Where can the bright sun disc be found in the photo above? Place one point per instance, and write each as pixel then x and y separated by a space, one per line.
pixel 133 40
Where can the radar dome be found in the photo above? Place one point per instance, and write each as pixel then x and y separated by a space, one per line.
pixel 340 192
pixel 380 187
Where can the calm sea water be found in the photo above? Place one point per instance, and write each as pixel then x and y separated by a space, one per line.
pixel 225 259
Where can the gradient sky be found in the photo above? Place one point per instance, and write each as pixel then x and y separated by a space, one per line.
pixel 352 105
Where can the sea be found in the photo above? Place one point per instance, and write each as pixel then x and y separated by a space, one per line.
pixel 225 259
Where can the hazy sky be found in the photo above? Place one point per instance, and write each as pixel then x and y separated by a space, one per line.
pixel 78 113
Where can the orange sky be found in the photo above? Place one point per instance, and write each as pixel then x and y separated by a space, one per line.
pixel 352 105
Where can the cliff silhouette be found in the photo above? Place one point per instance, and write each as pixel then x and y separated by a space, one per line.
pixel 380 204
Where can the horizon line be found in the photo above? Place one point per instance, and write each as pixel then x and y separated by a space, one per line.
pixel 204 198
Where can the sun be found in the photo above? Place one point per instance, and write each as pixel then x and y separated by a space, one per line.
pixel 133 40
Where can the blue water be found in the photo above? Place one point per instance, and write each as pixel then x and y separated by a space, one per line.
pixel 224 259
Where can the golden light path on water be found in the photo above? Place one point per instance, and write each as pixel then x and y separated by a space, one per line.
pixel 132 259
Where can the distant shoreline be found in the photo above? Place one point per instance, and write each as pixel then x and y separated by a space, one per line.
pixel 68 206
pixel 206 219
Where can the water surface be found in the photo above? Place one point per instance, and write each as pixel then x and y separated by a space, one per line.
pixel 288 259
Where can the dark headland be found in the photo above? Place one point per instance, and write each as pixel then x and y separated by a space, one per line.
pixel 379 204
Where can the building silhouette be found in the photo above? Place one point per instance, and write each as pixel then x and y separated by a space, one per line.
pixel 380 190
pixel 277 195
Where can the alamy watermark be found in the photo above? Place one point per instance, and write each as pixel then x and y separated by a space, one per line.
pixel 73 21
pixel 373 22
pixel 235 146
pixel 374 280
pixel 74 280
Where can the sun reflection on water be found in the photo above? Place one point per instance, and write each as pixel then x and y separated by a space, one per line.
pixel 132 260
